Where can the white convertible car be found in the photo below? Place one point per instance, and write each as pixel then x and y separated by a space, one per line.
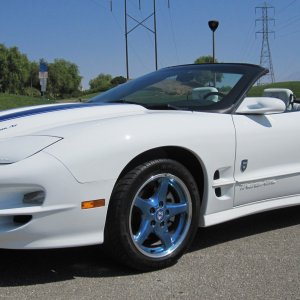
pixel 141 166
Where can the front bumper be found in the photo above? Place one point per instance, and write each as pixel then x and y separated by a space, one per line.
pixel 59 221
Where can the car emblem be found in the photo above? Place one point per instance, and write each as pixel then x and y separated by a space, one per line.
pixel 244 165
pixel 160 215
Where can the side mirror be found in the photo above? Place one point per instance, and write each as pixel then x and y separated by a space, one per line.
pixel 295 100
pixel 261 106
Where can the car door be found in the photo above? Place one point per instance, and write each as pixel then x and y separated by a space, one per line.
pixel 267 156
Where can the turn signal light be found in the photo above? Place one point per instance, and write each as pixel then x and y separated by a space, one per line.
pixel 92 203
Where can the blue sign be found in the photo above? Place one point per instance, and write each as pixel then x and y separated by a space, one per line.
pixel 43 67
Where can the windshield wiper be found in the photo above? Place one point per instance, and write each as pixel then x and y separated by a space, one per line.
pixel 123 101
pixel 166 106
pixel 176 107
pixel 152 106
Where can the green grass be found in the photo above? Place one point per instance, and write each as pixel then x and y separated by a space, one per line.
pixel 82 98
pixel 89 96
pixel 257 91
pixel 8 101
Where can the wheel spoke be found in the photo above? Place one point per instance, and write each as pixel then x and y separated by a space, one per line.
pixel 143 205
pixel 176 209
pixel 144 232
pixel 164 235
pixel 179 191
pixel 163 189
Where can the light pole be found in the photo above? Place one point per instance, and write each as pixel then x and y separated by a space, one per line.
pixel 213 25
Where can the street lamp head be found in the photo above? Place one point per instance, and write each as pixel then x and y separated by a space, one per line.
pixel 213 25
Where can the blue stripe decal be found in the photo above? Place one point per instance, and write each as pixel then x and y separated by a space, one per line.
pixel 50 108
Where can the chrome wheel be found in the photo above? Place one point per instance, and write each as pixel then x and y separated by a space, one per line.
pixel 160 215
pixel 153 215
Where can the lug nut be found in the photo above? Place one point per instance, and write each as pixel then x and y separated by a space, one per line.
pixel 152 210
pixel 152 223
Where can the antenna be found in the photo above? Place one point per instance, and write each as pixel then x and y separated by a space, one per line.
pixel 265 54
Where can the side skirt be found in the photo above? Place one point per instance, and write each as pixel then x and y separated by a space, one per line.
pixel 249 209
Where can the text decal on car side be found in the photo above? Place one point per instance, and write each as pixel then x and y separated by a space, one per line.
pixel 8 127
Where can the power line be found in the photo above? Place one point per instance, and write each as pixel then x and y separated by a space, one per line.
pixel 248 42
pixel 149 36
pixel 287 6
pixel 290 22
pixel 98 3
pixel 265 54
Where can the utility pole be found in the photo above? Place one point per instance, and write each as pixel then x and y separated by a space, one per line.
pixel 265 54
pixel 126 40
pixel 140 23
pixel 155 35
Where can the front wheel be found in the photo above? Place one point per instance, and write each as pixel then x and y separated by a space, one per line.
pixel 153 215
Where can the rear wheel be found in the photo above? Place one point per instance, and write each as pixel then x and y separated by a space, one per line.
pixel 153 215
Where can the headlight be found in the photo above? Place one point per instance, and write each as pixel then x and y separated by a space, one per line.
pixel 18 148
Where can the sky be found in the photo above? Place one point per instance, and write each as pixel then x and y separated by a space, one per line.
pixel 91 35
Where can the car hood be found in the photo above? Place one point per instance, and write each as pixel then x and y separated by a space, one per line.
pixel 31 120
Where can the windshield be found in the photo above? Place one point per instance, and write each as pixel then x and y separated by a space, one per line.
pixel 190 87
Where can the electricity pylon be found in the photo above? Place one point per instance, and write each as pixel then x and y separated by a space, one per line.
pixel 265 54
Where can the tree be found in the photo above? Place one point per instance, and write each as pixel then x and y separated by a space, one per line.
pixel 208 77
pixel 4 72
pixel 101 83
pixel 33 79
pixel 20 76
pixel 118 80
pixel 14 70
pixel 205 59
pixel 63 78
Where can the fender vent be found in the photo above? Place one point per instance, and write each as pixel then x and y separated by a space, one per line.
pixel 217 175
pixel 218 192
pixel 22 219
pixel 224 183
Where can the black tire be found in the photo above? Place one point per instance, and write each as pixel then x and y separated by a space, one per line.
pixel 152 216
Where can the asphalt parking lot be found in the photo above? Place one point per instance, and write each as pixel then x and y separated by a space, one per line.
pixel 257 257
